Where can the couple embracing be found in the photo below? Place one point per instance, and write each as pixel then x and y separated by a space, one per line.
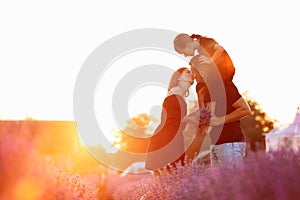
pixel 220 107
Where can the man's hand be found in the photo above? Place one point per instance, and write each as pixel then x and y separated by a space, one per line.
pixel 216 121
pixel 205 60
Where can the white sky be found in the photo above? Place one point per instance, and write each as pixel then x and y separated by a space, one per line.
pixel 43 45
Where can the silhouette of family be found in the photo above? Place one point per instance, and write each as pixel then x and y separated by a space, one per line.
pixel 220 108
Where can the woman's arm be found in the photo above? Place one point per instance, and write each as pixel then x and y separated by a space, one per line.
pixel 190 119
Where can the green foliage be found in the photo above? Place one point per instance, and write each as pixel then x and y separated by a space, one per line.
pixel 256 124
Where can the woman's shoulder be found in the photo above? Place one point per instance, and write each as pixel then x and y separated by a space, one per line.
pixel 172 96
pixel 173 99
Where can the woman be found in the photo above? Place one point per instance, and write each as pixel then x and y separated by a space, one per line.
pixel 210 50
pixel 166 147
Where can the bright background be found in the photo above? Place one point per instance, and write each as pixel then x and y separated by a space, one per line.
pixel 43 45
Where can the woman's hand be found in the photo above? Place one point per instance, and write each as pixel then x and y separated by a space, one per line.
pixel 189 119
pixel 203 130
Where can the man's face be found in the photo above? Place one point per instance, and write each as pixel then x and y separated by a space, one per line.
pixel 185 46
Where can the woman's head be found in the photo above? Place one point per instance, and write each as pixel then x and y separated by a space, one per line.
pixel 185 44
pixel 182 74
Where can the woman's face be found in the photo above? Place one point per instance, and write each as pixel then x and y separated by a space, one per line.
pixel 188 75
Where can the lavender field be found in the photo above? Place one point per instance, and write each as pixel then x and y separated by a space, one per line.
pixel 261 176
pixel 33 165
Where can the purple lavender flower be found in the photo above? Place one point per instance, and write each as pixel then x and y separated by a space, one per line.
pixel 273 175
pixel 202 115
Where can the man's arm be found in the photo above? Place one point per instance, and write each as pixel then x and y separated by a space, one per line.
pixel 241 110
pixel 208 60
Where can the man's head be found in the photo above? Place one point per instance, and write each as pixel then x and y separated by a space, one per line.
pixel 184 44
